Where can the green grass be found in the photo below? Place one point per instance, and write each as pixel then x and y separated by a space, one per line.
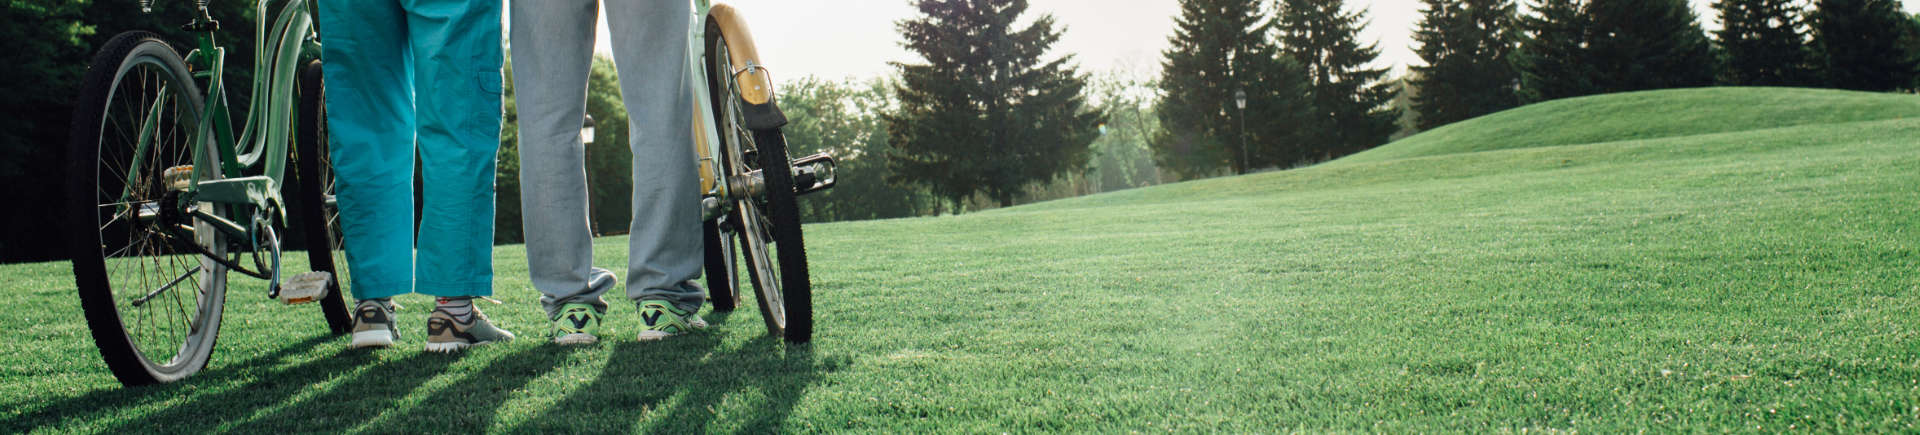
pixel 1738 274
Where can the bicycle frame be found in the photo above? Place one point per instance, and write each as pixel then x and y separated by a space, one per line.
pixel 243 182
pixel 706 135
pixel 278 51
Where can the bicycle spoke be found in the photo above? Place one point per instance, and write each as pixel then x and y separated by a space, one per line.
pixel 142 300
pixel 110 222
pixel 170 316
pixel 143 315
pixel 185 319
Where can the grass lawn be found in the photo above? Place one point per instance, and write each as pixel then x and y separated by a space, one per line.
pixel 1740 275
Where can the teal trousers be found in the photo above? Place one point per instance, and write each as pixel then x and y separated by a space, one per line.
pixel 407 78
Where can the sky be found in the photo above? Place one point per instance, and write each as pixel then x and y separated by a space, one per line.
pixel 838 39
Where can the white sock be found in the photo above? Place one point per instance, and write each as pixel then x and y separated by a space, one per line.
pixel 460 308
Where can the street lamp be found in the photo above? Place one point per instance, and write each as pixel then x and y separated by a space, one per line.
pixel 1240 101
pixel 586 131
pixel 586 138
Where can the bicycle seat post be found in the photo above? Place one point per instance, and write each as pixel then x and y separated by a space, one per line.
pixel 203 22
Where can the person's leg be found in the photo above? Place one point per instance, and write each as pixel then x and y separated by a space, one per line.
pixel 370 134
pixel 457 58
pixel 552 56
pixel 371 130
pixel 650 49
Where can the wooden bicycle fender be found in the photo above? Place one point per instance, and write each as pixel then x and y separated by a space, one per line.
pixel 756 87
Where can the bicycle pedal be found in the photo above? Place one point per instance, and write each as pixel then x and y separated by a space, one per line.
pixel 305 287
pixel 178 178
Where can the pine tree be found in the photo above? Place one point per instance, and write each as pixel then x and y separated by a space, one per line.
pixel 1220 47
pixel 1466 44
pixel 1552 57
pixel 1912 44
pixel 986 114
pixel 1865 44
pixel 1350 100
pixel 1763 43
pixel 1647 44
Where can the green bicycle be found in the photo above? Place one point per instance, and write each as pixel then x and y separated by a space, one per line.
pixel 164 198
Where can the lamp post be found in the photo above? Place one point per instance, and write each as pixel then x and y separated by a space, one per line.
pixel 586 131
pixel 586 138
pixel 1240 101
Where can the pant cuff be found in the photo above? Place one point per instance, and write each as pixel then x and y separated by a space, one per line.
pixel 363 290
pixel 457 289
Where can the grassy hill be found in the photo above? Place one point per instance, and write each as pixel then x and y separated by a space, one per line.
pixel 1541 268
pixel 1647 115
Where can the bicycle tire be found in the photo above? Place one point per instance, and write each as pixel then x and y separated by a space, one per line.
pixel 723 288
pixel 783 212
pixel 789 314
pixel 126 352
pixel 314 176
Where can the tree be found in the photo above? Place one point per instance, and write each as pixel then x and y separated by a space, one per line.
pixel 1220 48
pixel 1123 156
pixel 1763 43
pixel 1582 47
pixel 506 172
pixel 1865 44
pixel 1466 44
pixel 1551 59
pixel 1405 90
pixel 986 114
pixel 1350 100
pixel 43 66
pixel 1912 44
pixel 1647 44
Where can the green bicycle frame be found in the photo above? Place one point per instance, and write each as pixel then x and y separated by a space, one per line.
pixel 252 165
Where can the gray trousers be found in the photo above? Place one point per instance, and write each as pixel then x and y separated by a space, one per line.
pixel 552 49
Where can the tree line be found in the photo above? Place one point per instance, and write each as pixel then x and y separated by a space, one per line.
pixel 1482 56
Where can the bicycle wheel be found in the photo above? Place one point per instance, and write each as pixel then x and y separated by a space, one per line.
pixel 723 286
pixel 152 299
pixel 318 213
pixel 768 224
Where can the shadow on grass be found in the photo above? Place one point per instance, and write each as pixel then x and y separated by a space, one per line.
pixel 116 397
pixel 468 404
pixel 716 317
pixel 271 395
pixel 379 388
pixel 678 386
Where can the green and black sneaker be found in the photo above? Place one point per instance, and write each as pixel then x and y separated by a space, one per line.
pixel 664 320
pixel 576 324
